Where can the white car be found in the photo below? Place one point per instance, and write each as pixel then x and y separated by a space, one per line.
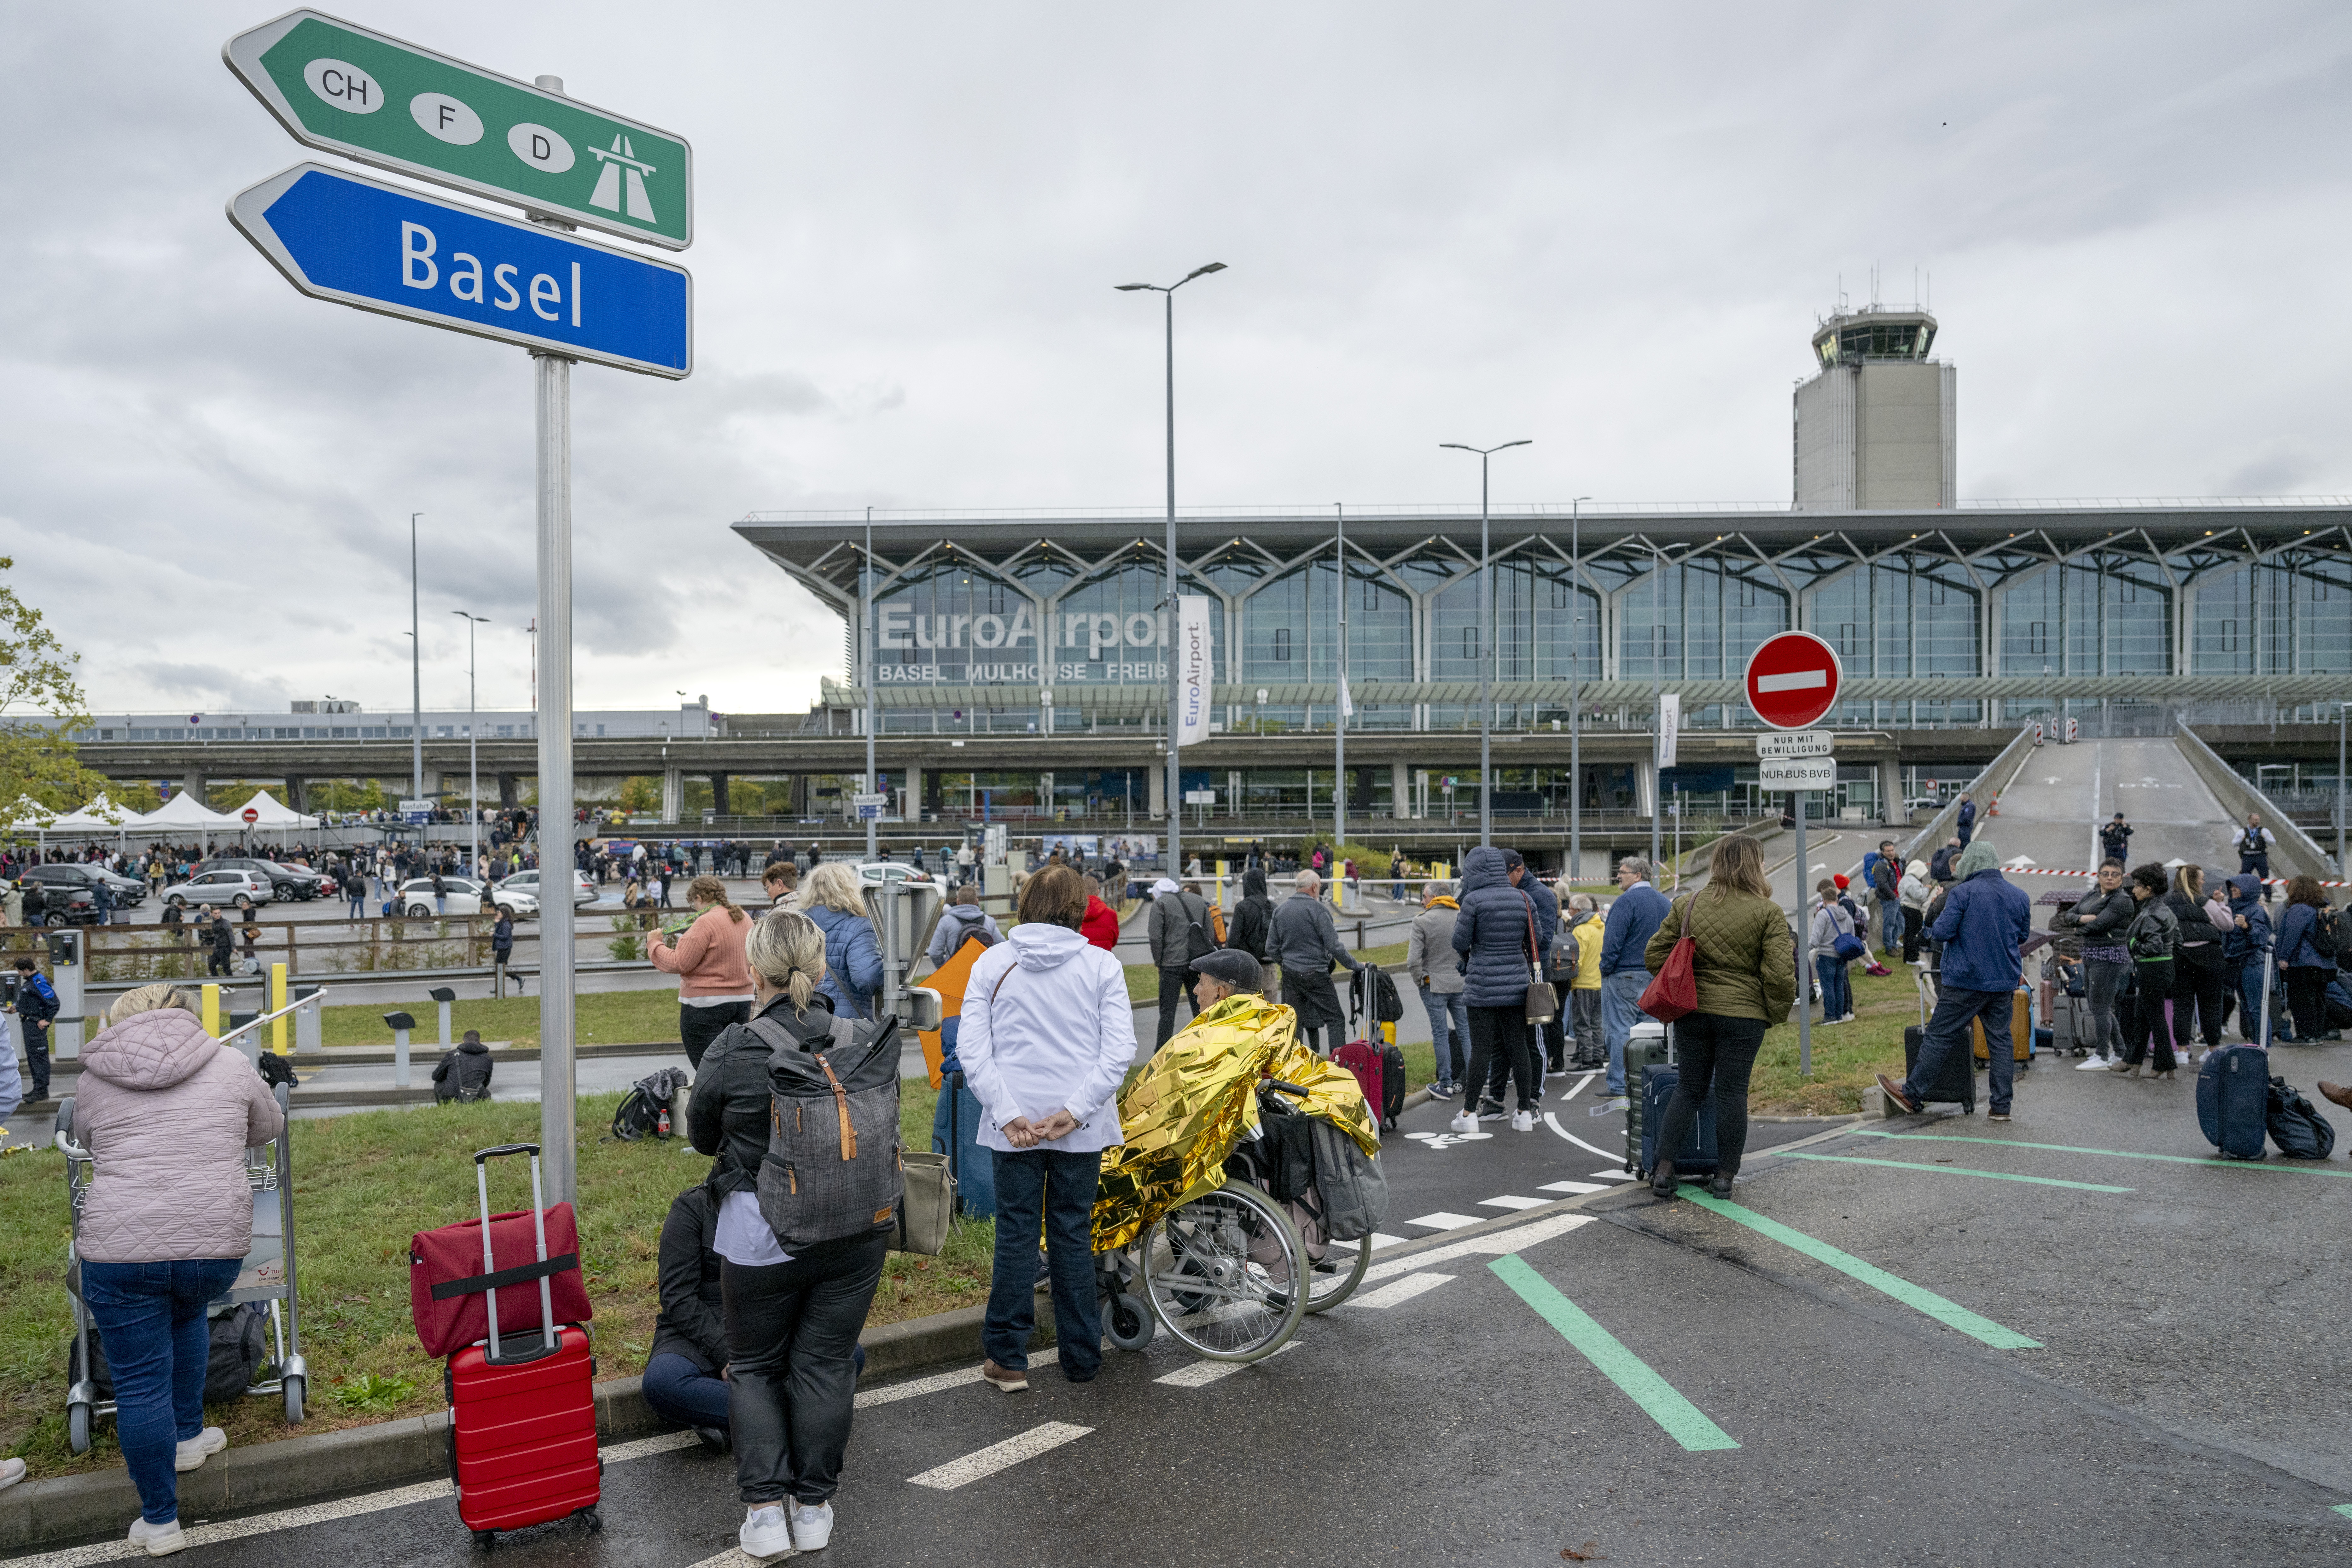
pixel 584 891
pixel 239 889
pixel 460 896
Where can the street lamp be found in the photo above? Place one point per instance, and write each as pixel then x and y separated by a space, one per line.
pixel 416 675
pixel 1175 862
pixel 1486 632
pixel 1575 690
pixel 473 748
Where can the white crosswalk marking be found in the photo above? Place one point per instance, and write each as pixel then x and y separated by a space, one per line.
pixel 1612 1174
pixel 986 1462
pixel 1397 1291
pixel 1510 1201
pixel 1381 1238
pixel 1494 1244
pixel 1443 1220
pixel 1202 1373
pixel 1573 1187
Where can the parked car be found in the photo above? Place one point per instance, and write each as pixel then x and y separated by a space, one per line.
pixel 128 891
pixel 237 888
pixel 584 891
pixel 461 896
pixel 58 904
pixel 307 883
pixel 288 883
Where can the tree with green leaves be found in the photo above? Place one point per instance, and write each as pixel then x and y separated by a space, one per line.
pixel 41 706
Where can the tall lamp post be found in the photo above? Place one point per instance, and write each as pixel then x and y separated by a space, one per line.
pixel 1487 635
pixel 871 648
pixel 1339 708
pixel 1575 690
pixel 1175 863
pixel 416 675
pixel 473 747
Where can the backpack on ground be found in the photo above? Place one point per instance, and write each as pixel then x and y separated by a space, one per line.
pixel 2295 1124
pixel 641 1111
pixel 833 1166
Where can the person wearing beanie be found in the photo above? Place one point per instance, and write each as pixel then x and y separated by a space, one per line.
pixel 1985 922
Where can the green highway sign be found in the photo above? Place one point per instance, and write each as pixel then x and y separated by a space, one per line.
pixel 373 97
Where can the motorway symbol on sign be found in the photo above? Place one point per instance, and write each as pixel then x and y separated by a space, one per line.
pixel 370 97
pixel 362 243
pixel 1796 743
pixel 1792 680
pixel 1796 772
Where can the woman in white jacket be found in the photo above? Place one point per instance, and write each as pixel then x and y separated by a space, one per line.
pixel 1916 891
pixel 1046 1036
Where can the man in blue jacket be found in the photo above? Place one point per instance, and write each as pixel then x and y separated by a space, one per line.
pixel 1633 918
pixel 1968 822
pixel 1986 919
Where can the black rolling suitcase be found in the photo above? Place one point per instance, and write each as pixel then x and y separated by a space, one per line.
pixel 1959 1078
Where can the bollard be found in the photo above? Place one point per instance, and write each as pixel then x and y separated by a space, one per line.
pixel 66 974
pixel 442 996
pixel 309 1030
pixel 248 1042
pixel 400 1023
pixel 278 1001
pixel 213 1011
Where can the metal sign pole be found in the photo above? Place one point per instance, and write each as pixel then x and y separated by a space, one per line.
pixel 1804 950
pixel 557 1078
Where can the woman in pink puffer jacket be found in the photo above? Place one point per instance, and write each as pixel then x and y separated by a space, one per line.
pixel 167 1113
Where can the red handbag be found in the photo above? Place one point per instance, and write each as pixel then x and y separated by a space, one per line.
pixel 1674 992
pixel 448 1292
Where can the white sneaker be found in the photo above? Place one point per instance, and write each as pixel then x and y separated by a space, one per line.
pixel 192 1454
pixel 812 1527
pixel 1523 1121
pixel 11 1472
pixel 158 1540
pixel 2095 1062
pixel 1464 1121
pixel 765 1533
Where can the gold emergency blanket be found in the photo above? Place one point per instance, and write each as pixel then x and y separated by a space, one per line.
pixel 1197 1098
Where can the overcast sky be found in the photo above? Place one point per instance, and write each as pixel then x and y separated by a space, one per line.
pixel 1609 229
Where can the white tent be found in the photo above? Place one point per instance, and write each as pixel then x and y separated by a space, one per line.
pixel 100 815
pixel 185 810
pixel 27 816
pixel 273 813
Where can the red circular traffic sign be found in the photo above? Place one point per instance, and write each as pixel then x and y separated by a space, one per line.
pixel 252 816
pixel 1792 680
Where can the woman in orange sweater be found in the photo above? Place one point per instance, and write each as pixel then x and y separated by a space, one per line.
pixel 715 982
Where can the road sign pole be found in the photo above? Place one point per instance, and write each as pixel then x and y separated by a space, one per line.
pixel 558 1074
pixel 1804 950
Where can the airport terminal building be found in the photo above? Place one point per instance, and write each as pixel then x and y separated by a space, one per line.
pixel 1946 614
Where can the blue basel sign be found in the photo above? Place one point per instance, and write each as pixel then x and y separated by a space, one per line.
pixel 362 243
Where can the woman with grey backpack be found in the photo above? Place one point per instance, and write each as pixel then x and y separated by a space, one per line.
pixel 792 1316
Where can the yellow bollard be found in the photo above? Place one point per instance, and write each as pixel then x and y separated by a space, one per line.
pixel 277 1001
pixel 212 1011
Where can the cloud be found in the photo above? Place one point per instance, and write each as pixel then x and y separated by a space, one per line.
pixel 1606 230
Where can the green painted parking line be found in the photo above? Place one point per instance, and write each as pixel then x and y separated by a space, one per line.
pixel 1949 1314
pixel 1683 1422
pixel 1955 1170
pixel 2344 1509
pixel 2290 1167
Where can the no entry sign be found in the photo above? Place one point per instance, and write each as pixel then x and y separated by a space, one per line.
pixel 1792 680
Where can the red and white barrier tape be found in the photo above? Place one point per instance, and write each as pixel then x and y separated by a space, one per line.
pixel 2092 876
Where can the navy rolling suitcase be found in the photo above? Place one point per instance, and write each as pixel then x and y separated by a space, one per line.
pixel 1959 1080
pixel 1696 1159
pixel 2233 1100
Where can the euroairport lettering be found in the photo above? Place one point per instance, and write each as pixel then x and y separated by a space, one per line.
pixel 1094 630
pixel 1016 674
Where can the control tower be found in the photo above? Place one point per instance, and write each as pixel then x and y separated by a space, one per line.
pixel 1875 428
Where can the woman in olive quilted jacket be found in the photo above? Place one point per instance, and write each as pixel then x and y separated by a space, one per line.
pixel 1747 973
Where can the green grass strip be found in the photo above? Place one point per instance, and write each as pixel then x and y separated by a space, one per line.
pixel 2290 1167
pixel 1956 1171
pixel 1949 1314
pixel 1683 1422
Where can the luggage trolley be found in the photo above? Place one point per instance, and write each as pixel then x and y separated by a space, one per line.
pixel 268 1275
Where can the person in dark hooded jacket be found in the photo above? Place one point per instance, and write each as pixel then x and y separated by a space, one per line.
pixel 463 1074
pixel 1985 921
pixel 2245 949
pixel 1251 930
pixel 1497 934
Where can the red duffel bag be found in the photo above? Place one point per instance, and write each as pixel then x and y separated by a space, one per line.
pixel 449 1290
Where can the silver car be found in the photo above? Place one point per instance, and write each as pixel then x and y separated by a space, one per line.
pixel 238 889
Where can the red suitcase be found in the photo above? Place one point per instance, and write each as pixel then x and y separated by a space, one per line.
pixel 522 1420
